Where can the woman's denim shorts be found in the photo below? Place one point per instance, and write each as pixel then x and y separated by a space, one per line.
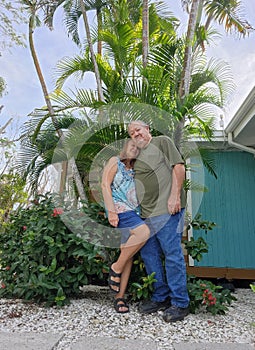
pixel 128 221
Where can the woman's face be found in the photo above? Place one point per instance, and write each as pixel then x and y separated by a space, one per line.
pixel 132 150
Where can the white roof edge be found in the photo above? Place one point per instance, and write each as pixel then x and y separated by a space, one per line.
pixel 241 112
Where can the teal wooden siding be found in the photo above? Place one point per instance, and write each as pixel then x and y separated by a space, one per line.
pixel 230 203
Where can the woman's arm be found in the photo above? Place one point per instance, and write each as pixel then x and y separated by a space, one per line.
pixel 109 172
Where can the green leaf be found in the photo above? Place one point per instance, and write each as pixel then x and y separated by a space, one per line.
pixel 51 226
pixel 252 287
pixel 59 270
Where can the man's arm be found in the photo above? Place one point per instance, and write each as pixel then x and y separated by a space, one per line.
pixel 178 177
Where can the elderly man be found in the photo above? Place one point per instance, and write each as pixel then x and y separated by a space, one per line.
pixel 159 176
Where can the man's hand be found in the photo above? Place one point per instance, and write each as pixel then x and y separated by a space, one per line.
pixel 174 204
pixel 174 201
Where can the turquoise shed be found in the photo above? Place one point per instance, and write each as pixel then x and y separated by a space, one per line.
pixel 229 201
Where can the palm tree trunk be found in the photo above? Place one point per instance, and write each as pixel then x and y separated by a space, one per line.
pixel 145 39
pixel 186 71
pixel 51 110
pixel 99 25
pixel 39 71
pixel 93 57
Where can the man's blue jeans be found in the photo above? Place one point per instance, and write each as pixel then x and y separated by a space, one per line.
pixel 165 240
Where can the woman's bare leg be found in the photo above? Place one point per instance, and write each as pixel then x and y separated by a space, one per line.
pixel 137 239
pixel 124 282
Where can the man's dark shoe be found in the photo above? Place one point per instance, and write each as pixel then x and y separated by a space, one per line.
pixel 149 306
pixel 174 313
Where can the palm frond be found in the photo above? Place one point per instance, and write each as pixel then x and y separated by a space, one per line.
pixel 190 185
pixel 119 44
pixel 209 161
pixel 215 72
pixel 229 13
pixel 72 15
pixel 50 10
pixel 82 98
pixel 76 66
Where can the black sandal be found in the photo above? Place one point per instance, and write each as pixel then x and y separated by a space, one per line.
pixel 111 282
pixel 119 303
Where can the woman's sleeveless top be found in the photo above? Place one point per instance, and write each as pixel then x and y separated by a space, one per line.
pixel 123 189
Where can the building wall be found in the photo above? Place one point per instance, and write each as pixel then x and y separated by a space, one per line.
pixel 230 203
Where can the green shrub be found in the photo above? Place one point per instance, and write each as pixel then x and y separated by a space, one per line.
pixel 203 293
pixel 49 250
pixel 197 247
pixel 208 296
pixel 140 284
pixel 41 259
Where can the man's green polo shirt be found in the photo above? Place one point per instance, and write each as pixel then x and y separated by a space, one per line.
pixel 153 175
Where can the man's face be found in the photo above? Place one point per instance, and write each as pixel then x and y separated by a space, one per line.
pixel 140 134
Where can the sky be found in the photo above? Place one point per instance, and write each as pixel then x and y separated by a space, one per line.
pixel 24 91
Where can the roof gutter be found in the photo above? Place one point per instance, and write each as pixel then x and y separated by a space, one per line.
pixel 238 145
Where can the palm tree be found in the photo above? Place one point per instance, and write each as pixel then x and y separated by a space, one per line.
pixel 124 49
pixel 33 7
pixel 209 83
pixel 227 10
pixel 93 57
pixel 73 10
pixel 41 146
pixel 122 38
pixel 145 32
pixel 125 79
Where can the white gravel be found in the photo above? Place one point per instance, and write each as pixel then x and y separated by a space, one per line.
pixel 94 315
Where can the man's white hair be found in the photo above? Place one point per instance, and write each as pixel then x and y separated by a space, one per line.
pixel 139 122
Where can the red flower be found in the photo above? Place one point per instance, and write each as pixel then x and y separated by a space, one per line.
pixel 3 285
pixel 7 268
pixel 57 211
pixel 24 228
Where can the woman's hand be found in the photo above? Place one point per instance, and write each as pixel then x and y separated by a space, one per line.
pixel 113 218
